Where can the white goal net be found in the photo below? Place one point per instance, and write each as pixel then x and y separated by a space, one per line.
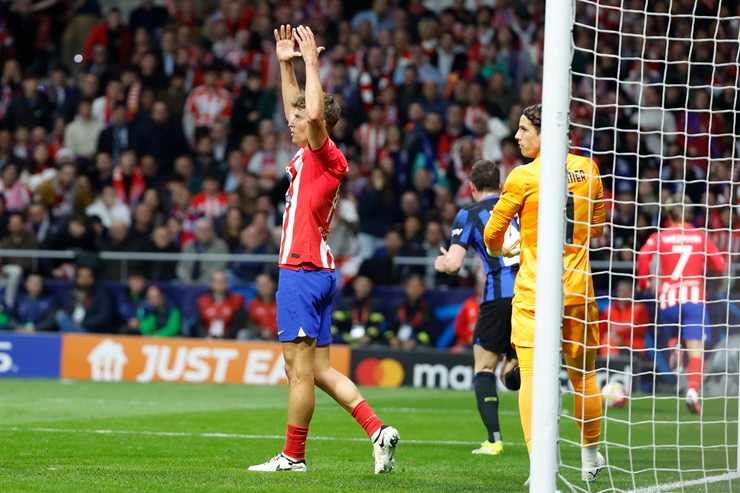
pixel 654 101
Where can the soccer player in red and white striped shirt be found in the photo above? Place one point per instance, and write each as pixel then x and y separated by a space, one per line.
pixel 685 256
pixel 307 281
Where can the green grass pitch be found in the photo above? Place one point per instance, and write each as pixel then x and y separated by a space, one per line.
pixel 83 437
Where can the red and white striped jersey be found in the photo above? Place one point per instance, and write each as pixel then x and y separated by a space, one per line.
pixel 683 254
pixel 315 177
pixel 207 104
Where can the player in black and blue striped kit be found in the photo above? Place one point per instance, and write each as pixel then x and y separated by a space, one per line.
pixel 492 336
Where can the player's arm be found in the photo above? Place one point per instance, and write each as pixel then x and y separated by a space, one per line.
pixel 598 215
pixel 452 259
pixel 644 259
pixel 317 132
pixel 285 51
pixel 508 206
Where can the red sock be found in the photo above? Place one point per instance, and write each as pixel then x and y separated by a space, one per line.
pixel 295 442
pixel 694 373
pixel 365 417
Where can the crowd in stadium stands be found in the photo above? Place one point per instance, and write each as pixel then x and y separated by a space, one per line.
pixel 161 131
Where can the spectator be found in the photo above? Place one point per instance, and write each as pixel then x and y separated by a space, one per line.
pixel 17 197
pixel 262 310
pixel 221 313
pixel 206 103
pixel 130 299
pixel 40 223
pixel 141 228
pixel 231 230
pixel 204 242
pixel 18 238
pixel 117 136
pixel 112 35
pixel 148 16
pixel 128 181
pixel 253 105
pixel 255 240
pixel 81 136
pixel 34 309
pixel 465 322
pixel 413 323
pixel 157 316
pixel 376 207
pixel 161 137
pixel 359 319
pixel 161 242
pixel 625 323
pixel 381 267
pixel 211 202
pixel 109 208
pixel 104 106
pixel 87 307
pixel 30 108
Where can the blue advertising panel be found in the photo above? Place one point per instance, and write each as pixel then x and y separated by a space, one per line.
pixel 29 355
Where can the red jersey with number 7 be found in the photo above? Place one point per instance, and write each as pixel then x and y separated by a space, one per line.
pixel 315 177
pixel 686 256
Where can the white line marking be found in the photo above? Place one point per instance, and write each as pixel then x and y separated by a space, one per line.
pixel 729 476
pixel 236 436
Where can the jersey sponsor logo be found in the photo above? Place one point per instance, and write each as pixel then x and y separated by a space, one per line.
pixel 457 231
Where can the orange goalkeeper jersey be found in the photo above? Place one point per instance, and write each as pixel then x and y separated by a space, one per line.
pixel 585 199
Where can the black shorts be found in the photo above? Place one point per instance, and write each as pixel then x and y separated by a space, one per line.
pixel 493 328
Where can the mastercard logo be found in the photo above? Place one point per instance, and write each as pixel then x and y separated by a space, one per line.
pixel 384 372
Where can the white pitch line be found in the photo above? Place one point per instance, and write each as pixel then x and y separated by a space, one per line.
pixel 237 436
pixel 729 476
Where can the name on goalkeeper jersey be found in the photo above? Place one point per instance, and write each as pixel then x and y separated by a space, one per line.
pixel 576 176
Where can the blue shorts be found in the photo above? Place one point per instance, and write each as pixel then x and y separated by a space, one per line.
pixel 305 302
pixel 692 319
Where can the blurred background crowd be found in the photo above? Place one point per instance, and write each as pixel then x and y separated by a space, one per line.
pixel 157 127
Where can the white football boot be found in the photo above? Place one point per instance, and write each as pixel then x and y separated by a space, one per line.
pixel 591 469
pixel 280 463
pixel 692 401
pixel 385 441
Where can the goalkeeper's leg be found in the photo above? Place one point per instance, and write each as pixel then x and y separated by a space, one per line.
pixel 580 342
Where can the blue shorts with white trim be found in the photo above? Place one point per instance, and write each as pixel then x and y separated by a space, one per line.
pixel 305 302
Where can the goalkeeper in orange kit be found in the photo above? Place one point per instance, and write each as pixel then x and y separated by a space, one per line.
pixel 585 211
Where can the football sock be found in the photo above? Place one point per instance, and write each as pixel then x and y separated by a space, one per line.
pixel 295 442
pixel 487 399
pixel 589 453
pixel 694 373
pixel 366 418
pixel 526 363
pixel 512 379
pixel 587 398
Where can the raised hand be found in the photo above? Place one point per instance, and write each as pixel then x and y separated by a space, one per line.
pixel 285 43
pixel 307 44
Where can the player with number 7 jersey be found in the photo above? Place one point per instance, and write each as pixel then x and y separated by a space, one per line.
pixel 685 256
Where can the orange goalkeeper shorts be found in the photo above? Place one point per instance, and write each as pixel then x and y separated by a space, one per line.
pixel 580 326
